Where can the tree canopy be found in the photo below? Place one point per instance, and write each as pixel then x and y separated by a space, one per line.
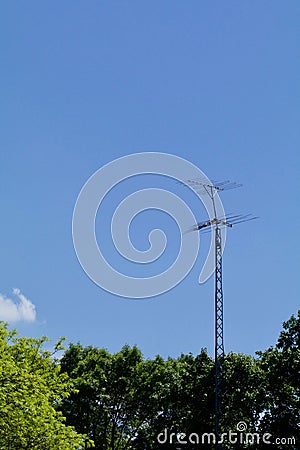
pixel 124 401
pixel 31 389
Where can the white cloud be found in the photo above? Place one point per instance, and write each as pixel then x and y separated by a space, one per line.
pixel 18 310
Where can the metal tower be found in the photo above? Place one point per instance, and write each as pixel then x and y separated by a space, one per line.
pixel 215 224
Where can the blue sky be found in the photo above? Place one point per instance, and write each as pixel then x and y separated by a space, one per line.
pixel 216 83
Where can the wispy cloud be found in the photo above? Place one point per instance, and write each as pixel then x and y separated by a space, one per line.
pixel 20 309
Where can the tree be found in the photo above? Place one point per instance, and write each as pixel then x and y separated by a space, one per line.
pixel 117 395
pixel 281 365
pixel 125 402
pixel 31 386
pixel 244 391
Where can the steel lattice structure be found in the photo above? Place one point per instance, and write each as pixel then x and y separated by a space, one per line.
pixel 215 224
pixel 219 331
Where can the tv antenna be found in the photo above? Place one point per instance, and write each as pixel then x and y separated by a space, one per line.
pixel 216 224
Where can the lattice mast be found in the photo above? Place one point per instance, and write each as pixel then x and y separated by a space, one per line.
pixel 215 224
pixel 219 316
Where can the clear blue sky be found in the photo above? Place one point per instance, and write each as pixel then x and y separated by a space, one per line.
pixel 217 83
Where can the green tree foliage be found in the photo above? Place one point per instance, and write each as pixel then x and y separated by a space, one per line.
pixel 244 391
pixel 31 386
pixel 118 395
pixel 281 367
pixel 122 401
